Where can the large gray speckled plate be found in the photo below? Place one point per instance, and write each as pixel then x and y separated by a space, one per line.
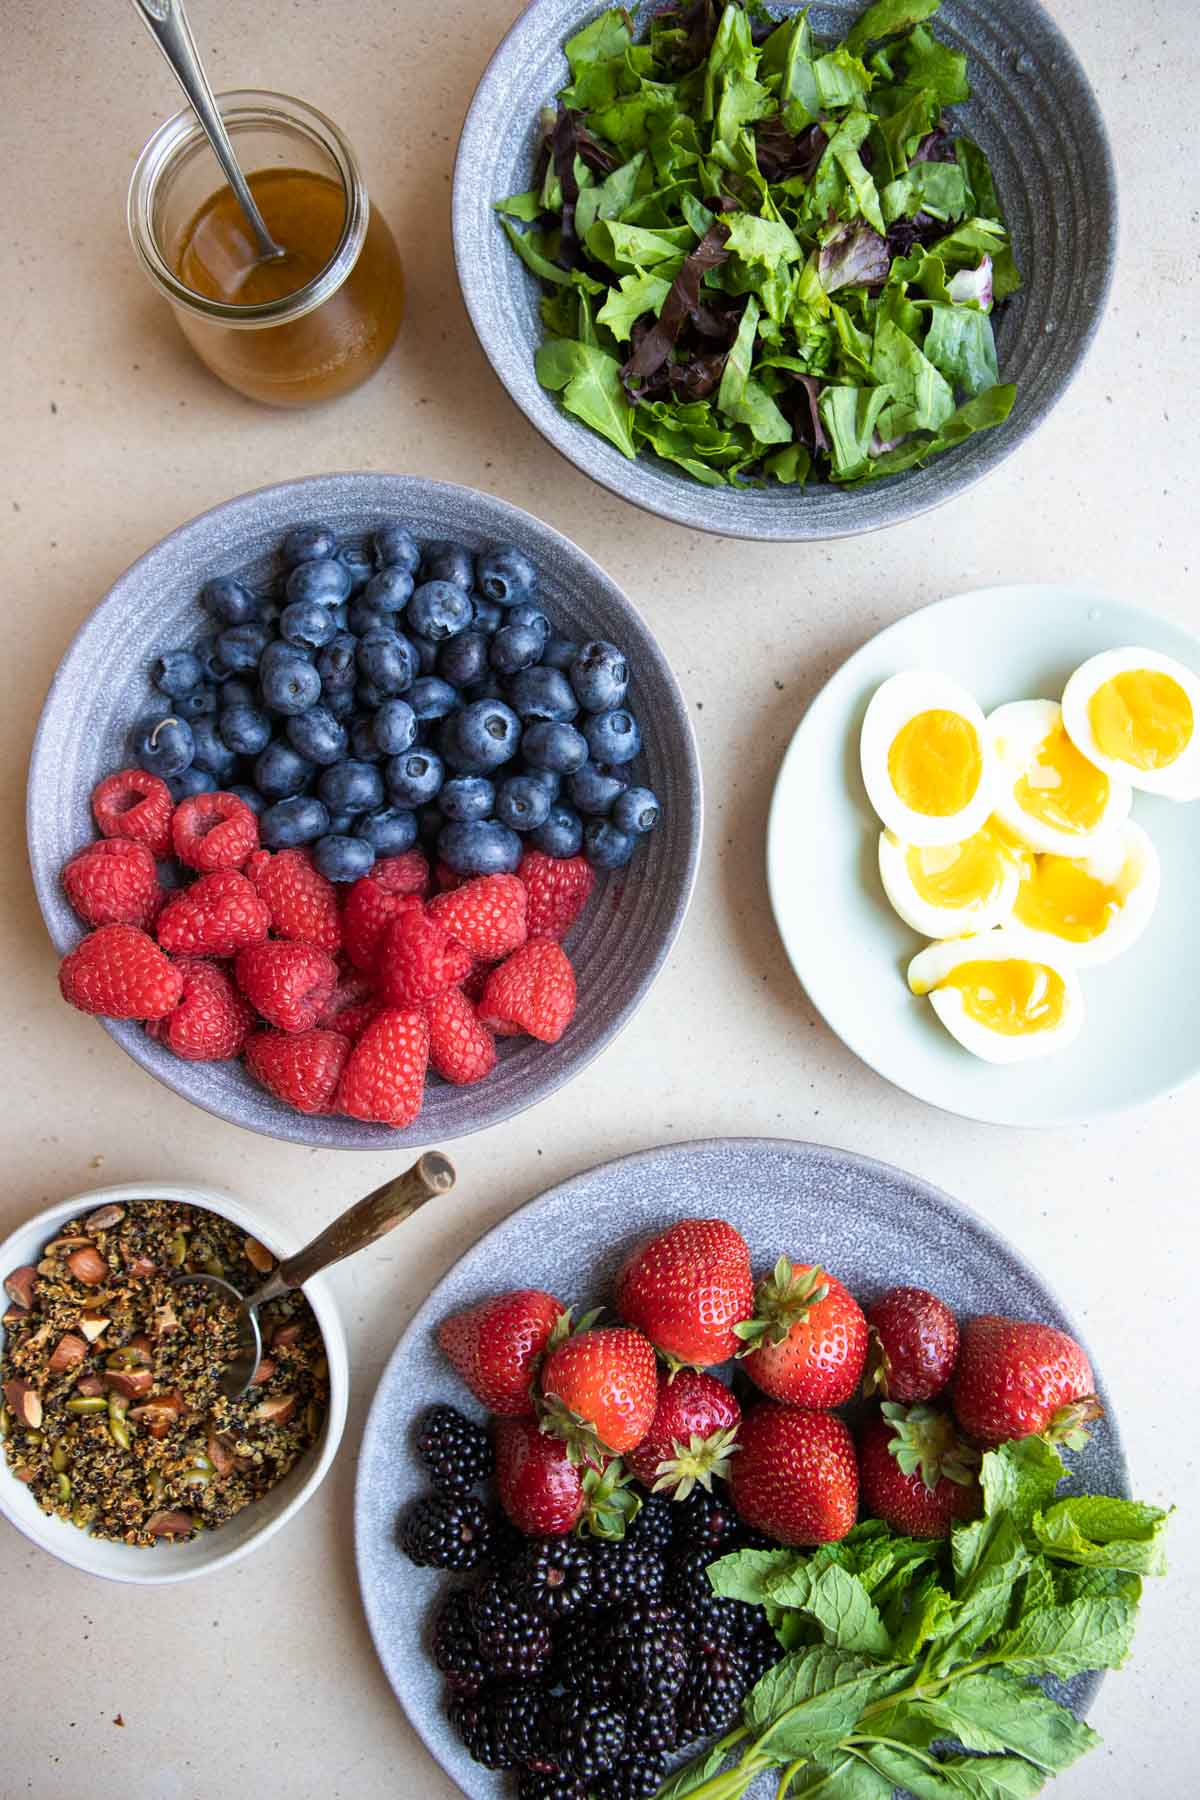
pixel 101 688
pixel 871 1224
pixel 1031 109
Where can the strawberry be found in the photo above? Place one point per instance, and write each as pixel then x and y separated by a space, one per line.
pixel 487 915
pixel 135 804
pixel 917 1474
pixel 460 1048
pixel 288 984
pixel 372 903
pixel 212 1019
pixel 114 882
pixel 120 972
pixel 558 889
pixel 687 1289
pixel 303 905
pixel 913 1345
pixel 217 916
pixel 384 1077
pixel 545 1494
pixel 494 1347
pixel 599 1390
pixel 213 831
pixel 302 1068
pixel 1015 1380
pixel 691 1436
pixel 808 1338
pixel 533 991
pixel 417 959
pixel 795 1477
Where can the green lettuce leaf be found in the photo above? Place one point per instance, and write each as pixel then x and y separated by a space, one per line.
pixel 850 415
pixel 743 399
pixel 922 398
pixel 933 187
pixel 888 17
pixel 928 64
pixel 589 384
pixel 959 342
pixel 633 296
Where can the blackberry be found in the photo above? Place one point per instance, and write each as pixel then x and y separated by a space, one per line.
pixel 712 1701
pixel 553 1576
pixel 624 1571
pixel 653 1728
pixel 587 1735
pixel 708 1522
pixel 444 1533
pixel 536 1784
pixel 760 1650
pixel 512 1640
pixel 456 1646
pixel 688 1590
pixel 634 1778
pixel 582 1668
pixel 643 1647
pixel 506 1542
pixel 475 1722
pixel 654 1526
pixel 519 1715
pixel 456 1452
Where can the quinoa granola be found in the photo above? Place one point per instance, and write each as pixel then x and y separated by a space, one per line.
pixel 110 1411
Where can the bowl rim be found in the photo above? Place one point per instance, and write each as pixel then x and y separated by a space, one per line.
pixel 67 1543
pixel 555 1075
pixel 571 438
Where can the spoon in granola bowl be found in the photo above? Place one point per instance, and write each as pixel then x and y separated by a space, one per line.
pixel 369 1218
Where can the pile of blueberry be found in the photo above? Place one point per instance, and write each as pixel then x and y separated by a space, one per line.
pixel 395 692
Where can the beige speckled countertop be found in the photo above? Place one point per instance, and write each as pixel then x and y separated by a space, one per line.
pixel 262 1681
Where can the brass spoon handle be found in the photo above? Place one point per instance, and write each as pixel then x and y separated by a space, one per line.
pixel 362 1223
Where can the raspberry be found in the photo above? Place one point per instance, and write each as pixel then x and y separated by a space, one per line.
pixel 384 1078
pixel 533 991
pixel 448 879
pixel 288 984
pixel 121 972
pixel 461 1049
pixel 114 882
pixel 418 959
pixel 210 1021
pixel 405 874
pixel 213 831
pixel 135 804
pixel 557 889
pixel 302 903
pixel 352 1005
pixel 369 910
pixel 217 916
pixel 472 985
pixel 487 915
pixel 302 1068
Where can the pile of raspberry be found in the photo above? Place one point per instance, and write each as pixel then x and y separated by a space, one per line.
pixel 338 998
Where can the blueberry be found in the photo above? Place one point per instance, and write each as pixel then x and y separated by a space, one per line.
pixel 341 703
pixel 467 797
pixel 505 574
pixel 561 835
pixel 351 787
pixel 250 795
pixel 439 610
pixel 483 847
pixel 201 703
pixel 492 687
pixel 368 698
pixel 362 617
pixel 432 698
pixel 390 591
pixel 341 858
pixel 395 547
pixel 323 580
pixel 593 788
pixel 522 802
pixel 279 772
pixel 290 685
pixel 341 824
pixel 532 616
pixel 228 602
pixel 318 736
pixel 308 624
pixel 549 779
pixel 600 676
pixel 301 820
pixel 277 651
pixel 237 693
pixel 560 653
pixel 463 659
pixel 191 781
pixel 386 660
pixel 362 740
pixel 550 744
pixel 240 647
pixel 541 693
pixel 427 655
pixel 178 672
pixel 488 616
pixel 515 647
pixel 308 543
pixel 340 616
pixel 210 752
pixel 414 777
pixel 442 561
pixel 244 729
pixel 635 811
pixel 359 564
pixel 482 736
pixel 613 737
pixel 164 746
pixel 207 654
pixel 391 829
pixel 606 847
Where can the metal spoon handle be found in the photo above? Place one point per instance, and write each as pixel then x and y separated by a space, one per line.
pixel 167 23
pixel 365 1221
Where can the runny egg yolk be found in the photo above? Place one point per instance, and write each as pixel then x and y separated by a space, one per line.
pixel 1012 997
pixel 1059 896
pixel 956 875
pixel 1063 788
pixel 1141 717
pixel 935 763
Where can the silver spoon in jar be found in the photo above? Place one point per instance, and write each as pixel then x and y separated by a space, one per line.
pixel 358 1226
pixel 167 23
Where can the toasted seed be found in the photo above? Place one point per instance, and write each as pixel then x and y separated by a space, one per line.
pixel 68 1353
pixel 19 1285
pixel 195 1478
pixel 87 1404
pixel 118 1406
pixel 88 1266
pixel 312 1418
pixel 133 1355
pixel 59 1460
pixel 64 1487
pixel 23 1402
pixel 82 1516
pixel 104 1218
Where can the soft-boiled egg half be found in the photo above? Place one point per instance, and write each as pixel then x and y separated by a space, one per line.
pixel 927 763
pixel 1006 995
pixel 1095 906
pixel 1048 794
pixel 945 890
pixel 1136 715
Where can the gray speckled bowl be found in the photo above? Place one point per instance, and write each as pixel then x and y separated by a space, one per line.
pixel 101 688
pixel 870 1223
pixel 1031 109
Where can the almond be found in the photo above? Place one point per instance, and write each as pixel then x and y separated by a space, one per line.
pixel 285 1337
pixel 12 1315
pixel 169 1524
pixel 20 1284
pixel 68 1353
pixel 135 1384
pixel 165 1320
pixel 88 1387
pixel 141 1267
pixel 93 1325
pixel 23 1402
pixel 275 1411
pixel 220 1452
pixel 263 1372
pixel 258 1256
pixel 88 1266
pixel 104 1218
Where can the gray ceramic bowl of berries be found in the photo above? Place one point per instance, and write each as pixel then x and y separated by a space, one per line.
pixel 102 691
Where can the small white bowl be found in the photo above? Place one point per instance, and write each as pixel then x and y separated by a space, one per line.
pixel 251 1527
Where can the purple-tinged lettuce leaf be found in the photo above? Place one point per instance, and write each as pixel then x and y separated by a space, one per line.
pixel 682 299
pixel 973 285
pixel 855 254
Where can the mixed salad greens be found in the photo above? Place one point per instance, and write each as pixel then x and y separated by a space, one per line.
pixel 763 260
pixel 901 1655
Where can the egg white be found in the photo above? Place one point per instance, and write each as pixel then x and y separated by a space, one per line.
pixel 1126 859
pixel 1180 780
pixel 900 699
pixel 1017 731
pixel 1009 943
pixel 926 916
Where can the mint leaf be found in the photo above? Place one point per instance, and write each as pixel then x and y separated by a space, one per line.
pixel 990 1778
pixel 840 1605
pixel 998 1713
pixel 810 1700
pixel 693 1775
pixel 1104 1533
pixel 1020 1479
pixel 841 1776
pixel 1068 1640
pixel 745 1574
pixel 986 1586
pixel 929 1614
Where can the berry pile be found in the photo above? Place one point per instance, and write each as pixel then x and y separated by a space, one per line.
pixel 381 695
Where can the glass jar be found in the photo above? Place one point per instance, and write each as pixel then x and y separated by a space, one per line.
pixel 338 322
